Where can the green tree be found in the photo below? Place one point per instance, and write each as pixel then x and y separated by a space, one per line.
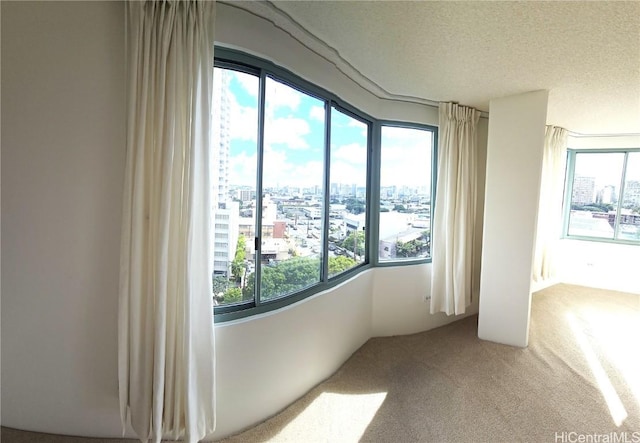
pixel 233 295
pixel 237 265
pixel 356 237
pixel 404 249
pixel 284 277
pixel 593 207
pixel 426 238
pixel 355 206
pixel 292 275
pixel 219 284
pixel 411 248
pixel 340 264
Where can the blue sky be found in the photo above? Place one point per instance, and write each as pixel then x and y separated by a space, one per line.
pixel 294 140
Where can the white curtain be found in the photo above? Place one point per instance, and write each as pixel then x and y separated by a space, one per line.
pixel 550 206
pixel 454 210
pixel 166 342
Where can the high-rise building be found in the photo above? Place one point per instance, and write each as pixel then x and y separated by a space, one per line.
pixel 221 134
pixel 226 212
pixel 631 194
pixel 606 195
pixel 583 190
pixel 225 233
pixel 246 195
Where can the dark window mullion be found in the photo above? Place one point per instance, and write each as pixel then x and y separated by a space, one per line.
pixel 568 186
pixel 258 211
pixel 373 193
pixel 434 185
pixel 370 218
pixel 324 277
pixel 616 227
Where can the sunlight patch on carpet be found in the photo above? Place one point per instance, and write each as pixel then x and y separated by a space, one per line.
pixel 618 334
pixel 611 397
pixel 346 415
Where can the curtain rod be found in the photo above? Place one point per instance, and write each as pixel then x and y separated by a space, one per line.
pixel 578 135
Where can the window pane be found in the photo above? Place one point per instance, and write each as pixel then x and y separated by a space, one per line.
pixel 594 195
pixel 234 156
pixel 405 193
pixel 630 213
pixel 292 182
pixel 348 192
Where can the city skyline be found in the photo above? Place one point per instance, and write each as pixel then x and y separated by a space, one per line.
pixel 293 229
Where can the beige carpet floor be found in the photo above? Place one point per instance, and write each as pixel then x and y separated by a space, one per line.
pixel 579 378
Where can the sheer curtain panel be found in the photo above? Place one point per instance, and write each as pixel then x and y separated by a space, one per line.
pixel 550 207
pixel 166 343
pixel 454 215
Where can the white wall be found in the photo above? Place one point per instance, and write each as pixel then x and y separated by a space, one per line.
pixel 62 173
pixel 514 164
pixel 399 305
pixel 63 111
pixel 599 265
pixel 620 141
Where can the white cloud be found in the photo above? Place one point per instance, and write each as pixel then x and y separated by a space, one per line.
pixel 343 172
pixel 406 157
pixel 308 174
pixel 352 153
pixel 279 95
pixel 349 164
pixel 242 169
pixel 414 176
pixel 317 113
pixel 364 129
pixel 289 131
pixel 243 121
pixel 276 167
pixel 250 83
pixel 353 123
pixel 278 170
pixel 405 136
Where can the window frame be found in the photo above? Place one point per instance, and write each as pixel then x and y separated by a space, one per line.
pixel 350 112
pixel 242 62
pixel 434 180
pixel 568 194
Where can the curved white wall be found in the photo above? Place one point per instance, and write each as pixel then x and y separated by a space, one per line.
pixel 63 140
pixel 265 363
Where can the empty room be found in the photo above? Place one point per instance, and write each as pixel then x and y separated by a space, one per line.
pixel 320 221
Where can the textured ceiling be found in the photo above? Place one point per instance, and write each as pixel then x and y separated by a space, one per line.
pixel 587 54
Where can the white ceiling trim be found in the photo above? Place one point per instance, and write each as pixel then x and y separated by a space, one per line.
pixel 266 10
pixel 278 17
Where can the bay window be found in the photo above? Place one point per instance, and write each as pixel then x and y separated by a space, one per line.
pixel 293 188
